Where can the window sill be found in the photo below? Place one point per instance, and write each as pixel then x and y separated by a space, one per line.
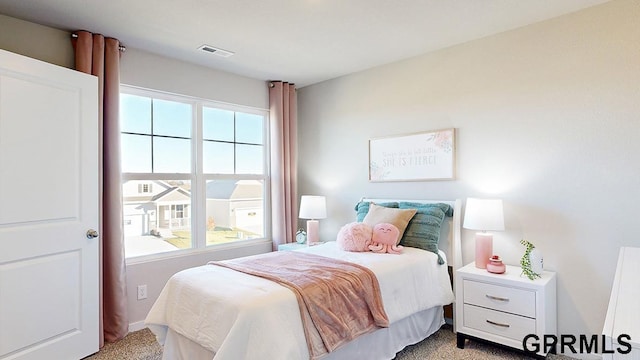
pixel 245 244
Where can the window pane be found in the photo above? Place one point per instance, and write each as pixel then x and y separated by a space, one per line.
pixel 136 153
pixel 217 124
pixel 249 159
pixel 151 224
pixel 135 114
pixel 171 155
pixel 217 157
pixel 249 128
pixel 235 210
pixel 171 118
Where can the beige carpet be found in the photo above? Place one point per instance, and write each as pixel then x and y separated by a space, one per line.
pixel 142 345
pixel 139 345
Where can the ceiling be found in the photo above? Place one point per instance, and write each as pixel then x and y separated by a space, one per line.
pixel 300 41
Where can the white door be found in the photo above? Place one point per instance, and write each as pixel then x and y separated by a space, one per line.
pixel 48 201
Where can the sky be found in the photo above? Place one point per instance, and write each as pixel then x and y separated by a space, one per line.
pixel 145 123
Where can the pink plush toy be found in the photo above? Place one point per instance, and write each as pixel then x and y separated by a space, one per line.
pixel 384 239
pixel 354 237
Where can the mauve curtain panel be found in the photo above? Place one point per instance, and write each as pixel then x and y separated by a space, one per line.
pixel 100 56
pixel 283 116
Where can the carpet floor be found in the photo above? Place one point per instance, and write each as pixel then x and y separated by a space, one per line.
pixel 142 345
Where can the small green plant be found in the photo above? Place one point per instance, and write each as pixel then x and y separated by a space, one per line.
pixel 525 262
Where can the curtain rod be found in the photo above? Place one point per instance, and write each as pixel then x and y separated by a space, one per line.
pixel 271 83
pixel 121 47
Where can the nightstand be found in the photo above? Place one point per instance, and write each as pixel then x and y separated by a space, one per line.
pixel 504 308
pixel 291 246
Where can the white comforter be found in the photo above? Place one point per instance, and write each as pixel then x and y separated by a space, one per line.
pixel 239 316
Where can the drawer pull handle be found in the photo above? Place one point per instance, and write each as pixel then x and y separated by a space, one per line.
pixel 497 324
pixel 496 298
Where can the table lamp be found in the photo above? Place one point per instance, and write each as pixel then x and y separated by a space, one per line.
pixel 313 207
pixel 483 215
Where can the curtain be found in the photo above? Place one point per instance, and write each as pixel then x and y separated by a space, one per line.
pixel 283 119
pixel 100 56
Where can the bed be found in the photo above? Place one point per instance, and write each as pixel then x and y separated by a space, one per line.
pixel 213 312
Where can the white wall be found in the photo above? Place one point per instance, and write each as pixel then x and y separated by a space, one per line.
pixel 146 70
pixel 36 41
pixel 143 69
pixel 547 118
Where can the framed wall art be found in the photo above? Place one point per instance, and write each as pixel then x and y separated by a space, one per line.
pixel 413 157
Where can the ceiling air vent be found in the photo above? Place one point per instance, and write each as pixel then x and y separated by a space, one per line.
pixel 215 51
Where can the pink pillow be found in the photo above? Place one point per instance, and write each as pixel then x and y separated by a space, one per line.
pixel 354 237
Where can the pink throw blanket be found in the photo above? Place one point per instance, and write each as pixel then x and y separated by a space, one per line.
pixel 338 300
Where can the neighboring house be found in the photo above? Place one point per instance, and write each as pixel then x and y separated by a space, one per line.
pixel 235 204
pixel 158 207
pixel 155 207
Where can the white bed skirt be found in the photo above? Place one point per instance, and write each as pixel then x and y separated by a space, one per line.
pixel 382 344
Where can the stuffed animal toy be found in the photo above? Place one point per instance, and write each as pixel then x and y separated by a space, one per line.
pixel 384 239
pixel 354 237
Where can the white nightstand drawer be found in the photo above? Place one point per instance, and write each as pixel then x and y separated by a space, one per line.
pixel 501 298
pixel 498 323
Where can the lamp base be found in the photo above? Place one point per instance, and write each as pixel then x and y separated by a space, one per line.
pixel 313 234
pixel 484 249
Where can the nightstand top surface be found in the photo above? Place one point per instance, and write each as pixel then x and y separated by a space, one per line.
pixel 512 274
pixel 291 246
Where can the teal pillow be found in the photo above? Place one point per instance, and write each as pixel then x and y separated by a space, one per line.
pixel 423 231
pixel 362 208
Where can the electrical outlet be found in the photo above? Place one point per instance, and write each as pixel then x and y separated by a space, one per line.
pixel 142 292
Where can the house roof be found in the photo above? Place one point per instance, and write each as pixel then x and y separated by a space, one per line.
pixel 220 189
pixel 169 189
pixel 175 190
pixel 234 189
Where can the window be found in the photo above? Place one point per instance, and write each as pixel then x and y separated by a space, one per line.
pixel 194 172
pixel 144 188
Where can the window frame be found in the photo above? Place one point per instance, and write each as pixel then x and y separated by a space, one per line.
pixel 199 179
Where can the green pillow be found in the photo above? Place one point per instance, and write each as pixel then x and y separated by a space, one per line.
pixel 362 208
pixel 423 231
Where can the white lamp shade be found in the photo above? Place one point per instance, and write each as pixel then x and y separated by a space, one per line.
pixel 484 215
pixel 313 207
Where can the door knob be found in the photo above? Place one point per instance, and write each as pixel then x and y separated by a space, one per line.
pixel 92 234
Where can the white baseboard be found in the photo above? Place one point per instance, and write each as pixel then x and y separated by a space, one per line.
pixel 139 325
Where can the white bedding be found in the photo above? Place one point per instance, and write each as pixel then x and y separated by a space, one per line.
pixel 239 316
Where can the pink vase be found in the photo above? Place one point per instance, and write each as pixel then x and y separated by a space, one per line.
pixel 495 265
